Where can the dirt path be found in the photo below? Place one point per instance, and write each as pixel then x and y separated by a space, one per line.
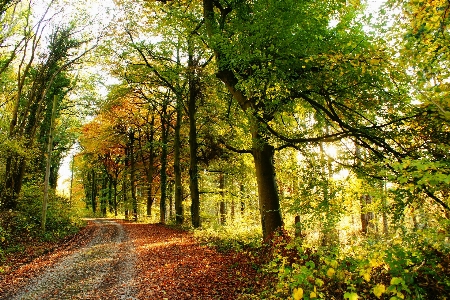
pixel 137 261
pixel 103 269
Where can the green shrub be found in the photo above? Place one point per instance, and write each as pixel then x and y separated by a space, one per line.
pixel 400 268
pixel 23 226
pixel 234 236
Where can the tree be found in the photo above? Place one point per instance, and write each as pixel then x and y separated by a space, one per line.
pixel 36 84
pixel 283 60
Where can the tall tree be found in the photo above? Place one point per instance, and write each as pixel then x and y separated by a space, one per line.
pixel 282 59
pixel 31 101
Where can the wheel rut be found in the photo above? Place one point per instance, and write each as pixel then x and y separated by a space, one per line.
pixel 103 269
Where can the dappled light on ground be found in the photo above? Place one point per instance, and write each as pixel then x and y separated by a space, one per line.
pixel 172 265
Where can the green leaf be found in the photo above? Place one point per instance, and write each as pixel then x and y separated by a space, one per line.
pixel 351 296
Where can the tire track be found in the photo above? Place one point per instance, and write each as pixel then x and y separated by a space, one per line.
pixel 103 269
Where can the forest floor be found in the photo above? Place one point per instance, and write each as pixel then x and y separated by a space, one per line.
pixel 111 259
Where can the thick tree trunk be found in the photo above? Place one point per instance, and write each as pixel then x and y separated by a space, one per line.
pixel 269 202
pixel 193 146
pixel 193 166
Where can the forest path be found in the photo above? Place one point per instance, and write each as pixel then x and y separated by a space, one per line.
pixel 102 269
pixel 121 260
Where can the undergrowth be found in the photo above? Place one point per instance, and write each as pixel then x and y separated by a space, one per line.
pixel 21 228
pixel 414 265
pixel 230 237
pixel 411 266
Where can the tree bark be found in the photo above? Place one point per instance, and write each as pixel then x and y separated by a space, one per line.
pixel 179 215
pixel 115 196
pixel 222 204
pixel 94 192
pixel 163 178
pixel 366 216
pixel 133 176
pixel 269 202
pixel 47 168
pixel 110 199
pixel 150 168
pixel 103 195
pixel 124 195
pixel 193 162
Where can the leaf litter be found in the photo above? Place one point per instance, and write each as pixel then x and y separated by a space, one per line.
pixel 112 259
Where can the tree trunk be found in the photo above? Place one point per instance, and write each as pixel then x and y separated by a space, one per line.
pixel 269 202
pixel 71 181
pixel 47 167
pixel 149 200
pixel 384 215
pixel 179 215
pixel 193 161
pixel 242 190
pixel 150 171
pixel 222 204
pixel 110 200
pixel 164 129
pixel 13 182
pixel 148 166
pixel 298 226
pixel 133 177
pixel 366 216
pixel 94 193
pixel 124 195
pixel 115 197
pixel 170 192
pixel 103 195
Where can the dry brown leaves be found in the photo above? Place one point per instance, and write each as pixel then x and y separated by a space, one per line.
pixel 173 265
pixel 37 257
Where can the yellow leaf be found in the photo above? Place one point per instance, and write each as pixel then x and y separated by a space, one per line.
pixel 333 263
pixel 378 290
pixel 330 272
pixel 298 294
pixel 365 274
pixel 319 282
pixel 313 295
pixel 374 262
